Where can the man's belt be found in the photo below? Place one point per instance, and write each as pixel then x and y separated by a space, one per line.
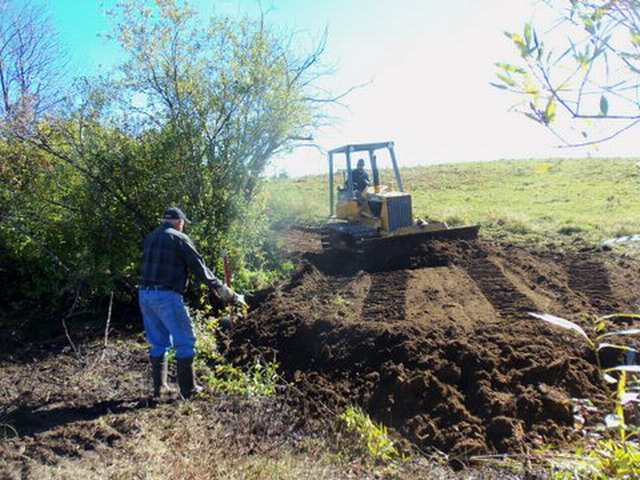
pixel 156 287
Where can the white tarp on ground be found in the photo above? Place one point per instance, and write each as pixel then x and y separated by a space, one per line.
pixel 622 239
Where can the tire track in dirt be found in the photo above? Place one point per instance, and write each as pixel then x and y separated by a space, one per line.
pixel 497 288
pixel 440 296
pixel 439 346
pixel 387 297
pixel 591 279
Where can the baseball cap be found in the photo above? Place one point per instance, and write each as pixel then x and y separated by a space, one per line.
pixel 174 213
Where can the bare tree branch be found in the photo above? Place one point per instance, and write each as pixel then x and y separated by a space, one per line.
pixel 602 140
pixel 31 62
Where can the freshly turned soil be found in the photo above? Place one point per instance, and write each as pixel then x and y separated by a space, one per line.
pixel 438 343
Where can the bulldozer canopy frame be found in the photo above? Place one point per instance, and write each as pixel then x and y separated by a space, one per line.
pixel 347 150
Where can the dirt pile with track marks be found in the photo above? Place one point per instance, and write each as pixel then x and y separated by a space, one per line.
pixel 443 349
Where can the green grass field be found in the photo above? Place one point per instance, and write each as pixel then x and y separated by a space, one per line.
pixel 539 201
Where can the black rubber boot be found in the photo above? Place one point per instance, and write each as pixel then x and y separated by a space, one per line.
pixel 186 378
pixel 159 371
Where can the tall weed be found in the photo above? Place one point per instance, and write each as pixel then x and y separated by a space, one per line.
pixel 375 437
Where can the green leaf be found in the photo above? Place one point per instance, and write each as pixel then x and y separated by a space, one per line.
pixel 499 85
pixel 510 68
pixel 550 111
pixel 622 315
pixel 589 25
pixel 506 79
pixel 532 117
pixel 527 33
pixel 604 105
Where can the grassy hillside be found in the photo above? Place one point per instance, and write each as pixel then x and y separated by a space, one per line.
pixel 518 200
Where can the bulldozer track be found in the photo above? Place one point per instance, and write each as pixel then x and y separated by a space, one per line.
pixel 387 296
pixel 497 288
pixel 325 241
pixel 591 279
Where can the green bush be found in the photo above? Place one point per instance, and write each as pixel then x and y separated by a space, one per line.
pixel 82 187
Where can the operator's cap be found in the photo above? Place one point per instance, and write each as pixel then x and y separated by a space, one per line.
pixel 174 213
pixel 361 162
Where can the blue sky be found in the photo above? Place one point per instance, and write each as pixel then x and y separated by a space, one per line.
pixel 428 64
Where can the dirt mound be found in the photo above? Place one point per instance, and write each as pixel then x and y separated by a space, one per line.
pixel 443 350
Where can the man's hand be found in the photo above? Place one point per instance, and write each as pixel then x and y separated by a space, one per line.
pixel 225 293
pixel 229 296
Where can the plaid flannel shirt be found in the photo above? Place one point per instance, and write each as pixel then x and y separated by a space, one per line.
pixel 168 257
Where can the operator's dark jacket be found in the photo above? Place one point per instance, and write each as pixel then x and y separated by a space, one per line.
pixel 168 257
pixel 360 179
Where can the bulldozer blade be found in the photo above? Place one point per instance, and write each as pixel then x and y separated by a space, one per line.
pixel 469 232
pixel 406 251
pixel 355 244
pixel 457 233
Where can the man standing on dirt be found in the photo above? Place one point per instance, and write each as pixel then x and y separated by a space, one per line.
pixel 169 255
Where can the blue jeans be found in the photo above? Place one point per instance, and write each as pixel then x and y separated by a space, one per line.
pixel 167 322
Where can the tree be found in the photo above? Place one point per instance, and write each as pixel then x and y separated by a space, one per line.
pixel 31 64
pixel 31 61
pixel 192 117
pixel 584 67
pixel 224 96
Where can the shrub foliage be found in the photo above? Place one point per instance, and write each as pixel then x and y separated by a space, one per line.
pixel 192 118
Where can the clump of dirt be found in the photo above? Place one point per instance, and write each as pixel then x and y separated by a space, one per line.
pixel 443 349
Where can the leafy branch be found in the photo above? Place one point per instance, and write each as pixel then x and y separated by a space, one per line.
pixel 588 63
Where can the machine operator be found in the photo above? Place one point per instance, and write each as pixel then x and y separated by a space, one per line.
pixel 360 178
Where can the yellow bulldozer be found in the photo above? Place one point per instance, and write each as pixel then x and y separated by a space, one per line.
pixel 373 218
